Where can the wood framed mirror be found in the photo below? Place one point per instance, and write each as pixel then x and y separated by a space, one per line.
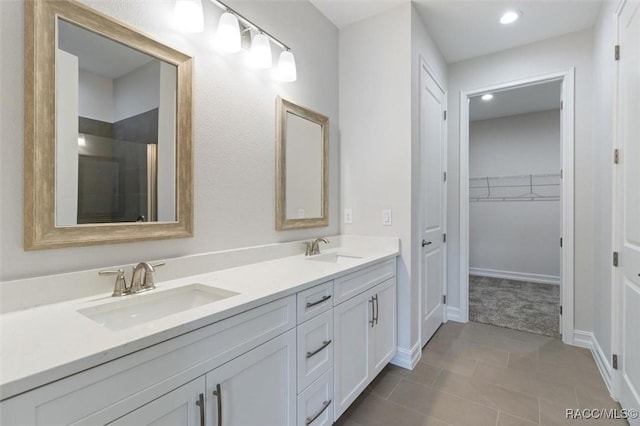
pixel 302 167
pixel 108 131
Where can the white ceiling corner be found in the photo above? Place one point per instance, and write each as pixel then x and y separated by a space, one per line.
pixel 464 29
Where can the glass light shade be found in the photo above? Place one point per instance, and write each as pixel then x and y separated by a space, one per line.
pixel 189 16
pixel 228 34
pixel 286 70
pixel 260 55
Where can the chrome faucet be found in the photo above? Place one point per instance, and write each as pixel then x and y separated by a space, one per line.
pixel 141 280
pixel 313 247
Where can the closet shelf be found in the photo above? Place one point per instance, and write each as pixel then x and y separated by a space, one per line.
pixel 532 187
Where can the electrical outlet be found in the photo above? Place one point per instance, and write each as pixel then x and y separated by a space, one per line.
pixel 386 217
pixel 348 216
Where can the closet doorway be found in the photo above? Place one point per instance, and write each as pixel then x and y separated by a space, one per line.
pixel 516 205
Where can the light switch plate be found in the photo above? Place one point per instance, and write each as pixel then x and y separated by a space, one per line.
pixel 386 217
pixel 348 216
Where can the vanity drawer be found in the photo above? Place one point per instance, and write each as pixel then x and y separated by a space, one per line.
pixel 314 301
pixel 349 285
pixel 315 348
pixel 314 404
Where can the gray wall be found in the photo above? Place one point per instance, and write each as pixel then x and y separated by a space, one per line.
pixel 234 133
pixel 516 236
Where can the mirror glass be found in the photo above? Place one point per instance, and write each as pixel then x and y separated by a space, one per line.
pixel 302 169
pixel 115 131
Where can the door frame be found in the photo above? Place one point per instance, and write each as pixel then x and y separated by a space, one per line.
pixel 567 147
pixel 423 65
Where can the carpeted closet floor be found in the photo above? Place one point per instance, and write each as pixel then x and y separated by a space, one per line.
pixel 519 305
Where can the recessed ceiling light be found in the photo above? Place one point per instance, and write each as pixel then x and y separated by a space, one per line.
pixel 510 16
pixel 487 97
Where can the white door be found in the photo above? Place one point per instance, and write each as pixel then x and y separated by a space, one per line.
pixel 179 407
pixel 257 388
pixel 433 203
pixel 352 322
pixel 629 206
pixel 384 328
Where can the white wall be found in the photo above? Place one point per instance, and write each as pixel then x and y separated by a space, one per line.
pixel 603 135
pixel 516 236
pixel 95 97
pixel 552 55
pixel 67 137
pixel 379 66
pixel 137 91
pixel 234 134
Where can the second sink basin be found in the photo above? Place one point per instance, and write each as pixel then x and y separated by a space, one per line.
pixel 143 308
pixel 334 257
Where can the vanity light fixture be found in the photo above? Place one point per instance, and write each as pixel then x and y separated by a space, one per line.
pixel 260 54
pixel 233 25
pixel 487 97
pixel 189 15
pixel 510 16
pixel 228 34
pixel 286 69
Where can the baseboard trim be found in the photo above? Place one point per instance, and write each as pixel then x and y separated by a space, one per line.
pixel 516 276
pixel 407 358
pixel 453 314
pixel 586 339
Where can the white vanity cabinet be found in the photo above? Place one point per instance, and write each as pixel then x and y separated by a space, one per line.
pixel 364 331
pixel 298 360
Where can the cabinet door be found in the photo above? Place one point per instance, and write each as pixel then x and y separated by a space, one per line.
pixel 384 329
pixel 257 388
pixel 178 407
pixel 352 333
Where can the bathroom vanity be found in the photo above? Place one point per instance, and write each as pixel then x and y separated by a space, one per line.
pixel 291 341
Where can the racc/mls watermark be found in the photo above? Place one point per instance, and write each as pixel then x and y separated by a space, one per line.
pixel 600 414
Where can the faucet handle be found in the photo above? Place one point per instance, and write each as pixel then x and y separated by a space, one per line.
pixel 120 287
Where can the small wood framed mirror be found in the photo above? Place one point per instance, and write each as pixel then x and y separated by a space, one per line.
pixel 302 167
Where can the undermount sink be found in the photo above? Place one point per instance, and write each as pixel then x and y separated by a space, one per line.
pixel 334 257
pixel 137 309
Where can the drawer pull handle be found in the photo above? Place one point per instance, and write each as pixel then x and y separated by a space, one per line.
pixel 218 394
pixel 200 403
pixel 324 345
pixel 312 419
pixel 377 308
pixel 324 299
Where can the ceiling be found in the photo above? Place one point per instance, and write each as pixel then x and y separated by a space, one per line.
pixel 521 100
pixel 98 54
pixel 464 29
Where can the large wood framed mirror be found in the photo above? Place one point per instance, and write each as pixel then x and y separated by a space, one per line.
pixel 108 131
pixel 302 167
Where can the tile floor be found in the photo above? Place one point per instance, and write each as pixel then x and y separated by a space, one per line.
pixel 477 374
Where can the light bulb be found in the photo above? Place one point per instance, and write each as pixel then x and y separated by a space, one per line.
pixel 487 97
pixel 260 55
pixel 82 141
pixel 189 16
pixel 286 70
pixel 228 34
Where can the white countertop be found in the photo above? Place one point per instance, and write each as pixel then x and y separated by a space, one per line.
pixel 47 343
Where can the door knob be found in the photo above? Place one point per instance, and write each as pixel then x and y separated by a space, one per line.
pixel 425 243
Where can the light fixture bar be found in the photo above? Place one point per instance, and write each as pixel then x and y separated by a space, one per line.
pixel 250 24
